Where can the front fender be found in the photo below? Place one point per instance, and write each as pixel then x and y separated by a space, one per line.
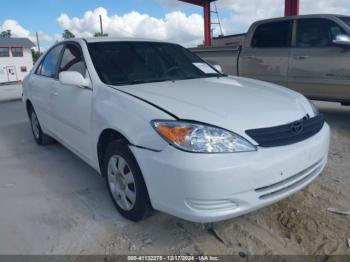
pixel 129 116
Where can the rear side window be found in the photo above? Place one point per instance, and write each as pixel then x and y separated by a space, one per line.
pixel 317 32
pixel 274 34
pixel 49 65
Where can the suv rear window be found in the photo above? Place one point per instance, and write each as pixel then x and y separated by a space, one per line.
pixel 273 34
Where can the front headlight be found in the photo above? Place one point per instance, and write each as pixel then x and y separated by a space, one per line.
pixel 314 108
pixel 200 138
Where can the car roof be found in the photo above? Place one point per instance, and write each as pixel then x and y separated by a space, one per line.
pixel 119 39
pixel 300 17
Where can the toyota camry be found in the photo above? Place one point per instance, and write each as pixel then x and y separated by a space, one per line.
pixel 171 132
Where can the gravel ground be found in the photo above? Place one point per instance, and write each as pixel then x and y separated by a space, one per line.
pixel 10 92
pixel 53 203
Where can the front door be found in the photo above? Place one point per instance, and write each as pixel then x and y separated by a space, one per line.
pixel 71 105
pixel 11 73
pixel 318 68
pixel 266 57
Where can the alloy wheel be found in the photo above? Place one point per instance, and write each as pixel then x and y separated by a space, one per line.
pixel 35 125
pixel 121 182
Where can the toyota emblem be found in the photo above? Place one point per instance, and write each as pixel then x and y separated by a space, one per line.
pixel 297 127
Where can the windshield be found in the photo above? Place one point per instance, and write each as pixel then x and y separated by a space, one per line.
pixel 124 63
pixel 345 19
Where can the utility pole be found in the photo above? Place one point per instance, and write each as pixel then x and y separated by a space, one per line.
pixel 101 26
pixel 37 41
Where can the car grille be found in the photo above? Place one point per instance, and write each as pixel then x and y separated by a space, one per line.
pixel 287 134
pixel 291 182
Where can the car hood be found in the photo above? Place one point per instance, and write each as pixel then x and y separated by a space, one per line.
pixel 233 103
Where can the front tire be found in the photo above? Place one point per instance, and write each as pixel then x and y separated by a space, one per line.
pixel 125 182
pixel 40 137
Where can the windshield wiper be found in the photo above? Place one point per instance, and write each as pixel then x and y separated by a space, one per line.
pixel 204 76
pixel 136 82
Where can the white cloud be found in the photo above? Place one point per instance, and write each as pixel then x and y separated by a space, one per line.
pixel 15 27
pixel 238 15
pixel 175 26
pixel 243 13
pixel 18 30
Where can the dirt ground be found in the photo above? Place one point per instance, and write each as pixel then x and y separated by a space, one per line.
pixel 300 224
pixel 63 206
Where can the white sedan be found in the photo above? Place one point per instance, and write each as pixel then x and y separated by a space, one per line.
pixel 171 132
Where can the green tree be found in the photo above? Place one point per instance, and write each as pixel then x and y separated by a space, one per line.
pixel 36 55
pixel 67 34
pixel 6 33
pixel 98 34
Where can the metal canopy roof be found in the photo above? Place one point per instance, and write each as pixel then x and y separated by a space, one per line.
pixel 197 2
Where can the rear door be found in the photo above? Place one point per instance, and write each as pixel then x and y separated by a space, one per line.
pixel 318 68
pixel 266 55
pixel 41 83
pixel 71 105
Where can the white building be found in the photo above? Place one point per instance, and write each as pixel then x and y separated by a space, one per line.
pixel 15 58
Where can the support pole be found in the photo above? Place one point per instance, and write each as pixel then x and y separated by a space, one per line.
pixel 207 24
pixel 37 42
pixel 291 7
pixel 207 13
pixel 101 26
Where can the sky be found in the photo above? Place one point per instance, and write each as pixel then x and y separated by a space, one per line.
pixel 169 20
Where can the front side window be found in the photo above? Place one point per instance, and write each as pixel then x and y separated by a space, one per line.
pixel 123 63
pixel 4 52
pixel 17 51
pixel 72 60
pixel 317 32
pixel 49 65
pixel 272 35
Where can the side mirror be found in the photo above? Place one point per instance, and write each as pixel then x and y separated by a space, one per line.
pixel 73 78
pixel 219 68
pixel 343 40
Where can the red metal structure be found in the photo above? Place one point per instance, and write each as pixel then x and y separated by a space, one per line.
pixel 207 23
pixel 291 7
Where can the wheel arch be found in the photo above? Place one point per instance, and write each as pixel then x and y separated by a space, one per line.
pixel 106 136
pixel 29 106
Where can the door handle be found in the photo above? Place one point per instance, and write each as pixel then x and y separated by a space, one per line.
pixel 54 93
pixel 250 57
pixel 301 57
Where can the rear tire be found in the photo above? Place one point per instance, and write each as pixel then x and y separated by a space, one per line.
pixel 40 137
pixel 125 182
